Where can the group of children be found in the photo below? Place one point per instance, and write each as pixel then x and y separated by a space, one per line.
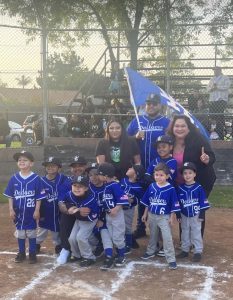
pixel 90 212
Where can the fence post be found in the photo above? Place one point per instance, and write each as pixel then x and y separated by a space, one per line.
pixel 44 54
pixel 168 45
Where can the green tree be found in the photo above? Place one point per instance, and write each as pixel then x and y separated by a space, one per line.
pixel 23 81
pixel 132 16
pixel 66 71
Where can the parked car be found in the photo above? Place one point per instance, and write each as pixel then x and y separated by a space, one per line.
pixel 15 132
pixel 61 122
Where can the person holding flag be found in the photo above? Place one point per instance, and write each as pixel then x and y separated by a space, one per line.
pixel 147 129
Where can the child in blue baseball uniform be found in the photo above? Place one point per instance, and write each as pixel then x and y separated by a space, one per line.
pixel 25 193
pixel 81 196
pixel 161 203
pixel 114 199
pixel 134 190
pixel 97 188
pixel 55 185
pixel 164 145
pixel 193 203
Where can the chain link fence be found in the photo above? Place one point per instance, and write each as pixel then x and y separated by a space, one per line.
pixel 80 69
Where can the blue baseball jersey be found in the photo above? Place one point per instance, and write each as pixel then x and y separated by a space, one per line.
pixel 25 192
pixel 85 201
pixel 114 195
pixel 153 129
pixel 133 190
pixel 192 199
pixel 170 162
pixel 98 193
pixel 161 200
pixel 55 190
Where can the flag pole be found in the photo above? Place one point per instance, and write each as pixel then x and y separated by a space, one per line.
pixel 132 99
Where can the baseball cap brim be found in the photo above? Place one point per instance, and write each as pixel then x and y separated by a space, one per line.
pixel 28 155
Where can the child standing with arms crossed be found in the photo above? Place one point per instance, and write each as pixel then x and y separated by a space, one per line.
pixel 161 203
pixel 25 193
pixel 193 203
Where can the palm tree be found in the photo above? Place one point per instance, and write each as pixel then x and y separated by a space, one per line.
pixel 23 81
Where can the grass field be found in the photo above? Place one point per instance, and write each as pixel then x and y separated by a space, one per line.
pixel 221 196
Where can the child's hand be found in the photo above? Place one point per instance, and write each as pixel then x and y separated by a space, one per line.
pixel 114 211
pixel 144 218
pixel 130 199
pixel 84 211
pixel 99 224
pixel 172 219
pixel 12 214
pixel 36 215
pixel 72 210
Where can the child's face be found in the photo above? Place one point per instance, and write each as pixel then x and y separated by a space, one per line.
pixel 131 173
pixel 94 177
pixel 77 169
pixel 160 177
pixel 189 176
pixel 79 189
pixel 24 163
pixel 102 178
pixel 164 150
pixel 51 169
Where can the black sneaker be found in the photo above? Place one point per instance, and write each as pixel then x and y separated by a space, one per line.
pixel 108 263
pixel 86 262
pixel 20 257
pixel 120 261
pixel 74 259
pixel 147 256
pixel 37 248
pixel 58 249
pixel 196 257
pixel 127 250
pixel 32 258
pixel 182 254
pixel 139 233
pixel 99 251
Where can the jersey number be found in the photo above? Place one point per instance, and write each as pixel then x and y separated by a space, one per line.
pixel 30 202
pixel 162 210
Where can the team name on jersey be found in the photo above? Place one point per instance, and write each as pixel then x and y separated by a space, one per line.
pixel 23 193
pixel 189 202
pixel 152 127
pixel 107 196
pixel 52 197
pixel 155 201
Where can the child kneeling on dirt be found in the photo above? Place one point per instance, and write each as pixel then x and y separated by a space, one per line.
pixel 80 196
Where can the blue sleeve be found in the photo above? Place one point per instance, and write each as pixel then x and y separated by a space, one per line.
pixel 175 207
pixel 150 169
pixel 9 191
pixel 120 197
pixel 39 191
pixel 132 127
pixel 63 189
pixel 204 203
pixel 145 199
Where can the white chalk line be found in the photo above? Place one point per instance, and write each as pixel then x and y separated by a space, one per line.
pixel 123 273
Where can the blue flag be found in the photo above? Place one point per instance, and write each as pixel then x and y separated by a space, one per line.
pixel 140 87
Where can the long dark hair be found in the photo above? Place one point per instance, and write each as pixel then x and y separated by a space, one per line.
pixel 123 141
pixel 192 128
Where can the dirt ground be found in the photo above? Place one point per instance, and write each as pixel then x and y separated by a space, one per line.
pixel 210 279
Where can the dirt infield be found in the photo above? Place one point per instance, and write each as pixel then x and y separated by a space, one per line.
pixel 211 279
